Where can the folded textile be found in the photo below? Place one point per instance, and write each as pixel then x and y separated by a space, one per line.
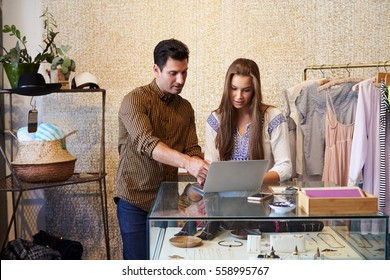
pixel 49 131
pixel 20 249
pixel 69 249
pixel 45 132
pixel 23 135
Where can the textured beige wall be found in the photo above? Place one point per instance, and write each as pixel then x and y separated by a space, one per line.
pixel 115 39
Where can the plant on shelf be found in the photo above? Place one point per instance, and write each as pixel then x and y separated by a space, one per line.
pixel 62 62
pixel 17 60
pixel 49 24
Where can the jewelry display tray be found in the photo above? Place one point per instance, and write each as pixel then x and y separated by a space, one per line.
pixel 341 236
pixel 368 204
pixel 211 250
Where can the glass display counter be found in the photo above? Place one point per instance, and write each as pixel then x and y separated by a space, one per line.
pixel 252 230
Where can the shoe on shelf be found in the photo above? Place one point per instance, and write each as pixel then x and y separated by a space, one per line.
pixel 210 231
pixel 188 229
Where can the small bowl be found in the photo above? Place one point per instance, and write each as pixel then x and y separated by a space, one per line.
pixel 185 241
pixel 282 206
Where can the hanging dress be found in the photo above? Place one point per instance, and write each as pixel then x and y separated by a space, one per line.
pixel 338 143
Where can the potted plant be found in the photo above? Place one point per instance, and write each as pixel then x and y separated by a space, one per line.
pixel 63 65
pixel 17 60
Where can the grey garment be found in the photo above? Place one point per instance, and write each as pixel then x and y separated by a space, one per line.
pixel 311 106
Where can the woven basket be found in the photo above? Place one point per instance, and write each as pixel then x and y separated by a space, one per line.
pixel 43 161
pixel 44 173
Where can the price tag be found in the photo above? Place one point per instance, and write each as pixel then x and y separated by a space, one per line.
pixel 32 123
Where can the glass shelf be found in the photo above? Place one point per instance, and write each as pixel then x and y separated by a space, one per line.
pixel 10 185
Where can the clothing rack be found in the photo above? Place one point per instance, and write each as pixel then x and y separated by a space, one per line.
pixel 345 66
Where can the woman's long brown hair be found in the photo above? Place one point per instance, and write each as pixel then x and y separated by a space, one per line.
pixel 225 135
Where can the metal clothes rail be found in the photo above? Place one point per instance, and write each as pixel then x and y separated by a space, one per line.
pixel 344 66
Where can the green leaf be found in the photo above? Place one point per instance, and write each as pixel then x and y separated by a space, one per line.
pixel 66 63
pixel 6 29
pixel 64 69
pixel 57 60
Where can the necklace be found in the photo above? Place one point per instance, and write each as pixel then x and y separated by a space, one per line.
pixel 330 240
pixel 312 238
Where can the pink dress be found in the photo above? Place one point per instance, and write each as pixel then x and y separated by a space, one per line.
pixel 338 143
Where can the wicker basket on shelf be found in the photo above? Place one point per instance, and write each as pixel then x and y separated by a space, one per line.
pixel 43 161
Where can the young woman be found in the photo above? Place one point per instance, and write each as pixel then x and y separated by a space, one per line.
pixel 244 128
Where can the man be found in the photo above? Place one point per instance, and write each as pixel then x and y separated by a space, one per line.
pixel 157 134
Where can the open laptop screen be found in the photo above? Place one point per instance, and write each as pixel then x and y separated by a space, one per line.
pixel 225 176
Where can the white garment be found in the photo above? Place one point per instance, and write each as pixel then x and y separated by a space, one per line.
pixel 276 145
pixel 365 151
pixel 365 144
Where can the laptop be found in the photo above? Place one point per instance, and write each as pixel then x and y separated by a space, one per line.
pixel 228 176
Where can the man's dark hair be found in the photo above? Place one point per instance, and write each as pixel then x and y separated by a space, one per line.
pixel 170 48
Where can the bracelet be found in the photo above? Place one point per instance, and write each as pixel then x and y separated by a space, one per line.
pixel 238 243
